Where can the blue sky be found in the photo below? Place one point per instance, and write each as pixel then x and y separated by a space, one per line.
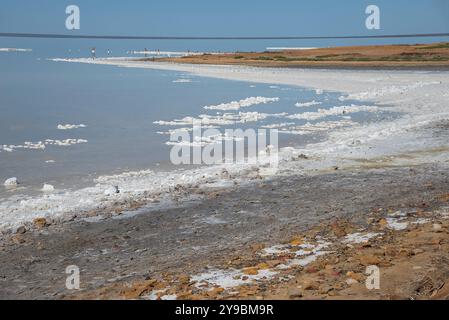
pixel 226 18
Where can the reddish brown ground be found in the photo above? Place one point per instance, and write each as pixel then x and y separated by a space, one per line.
pixel 394 56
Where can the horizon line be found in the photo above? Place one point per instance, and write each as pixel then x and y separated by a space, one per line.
pixel 116 37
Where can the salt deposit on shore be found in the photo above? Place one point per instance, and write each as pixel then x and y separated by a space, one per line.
pixel 41 145
pixel 307 104
pixel 15 50
pixel 420 96
pixel 11 182
pixel 237 105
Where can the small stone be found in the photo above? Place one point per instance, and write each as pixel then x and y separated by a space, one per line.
pixel 437 227
pixel 325 289
pixel 351 282
pixel 40 223
pixel 184 279
pixel 368 260
pixel 21 230
pixel 273 263
pixel 257 247
pixel 263 266
pixel 295 293
pixel 18 239
pixel 250 271
pixel 215 292
pixel 297 241
pixel 310 285
pixel 355 276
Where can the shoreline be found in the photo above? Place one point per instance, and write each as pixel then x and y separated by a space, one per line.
pixel 165 254
pixel 331 66
pixel 342 148
pixel 217 236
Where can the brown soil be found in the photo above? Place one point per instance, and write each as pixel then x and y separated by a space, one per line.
pixel 386 56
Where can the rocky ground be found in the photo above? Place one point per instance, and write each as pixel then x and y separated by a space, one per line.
pixel 298 237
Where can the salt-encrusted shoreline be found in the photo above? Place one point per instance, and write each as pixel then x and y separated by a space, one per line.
pixel 294 237
pixel 421 96
pixel 384 177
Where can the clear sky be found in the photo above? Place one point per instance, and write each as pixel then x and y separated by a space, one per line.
pixel 225 18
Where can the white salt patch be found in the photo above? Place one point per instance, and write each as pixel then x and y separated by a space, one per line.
pixel 398 214
pixel 275 250
pixel 112 191
pixel 15 50
pixel 11 182
pixel 308 104
pixel 70 126
pixel 41 145
pixel 50 161
pixel 65 143
pixel 169 297
pixel 155 294
pixel 231 278
pixel 205 140
pixel 335 111
pixel 224 119
pixel 443 211
pixel 48 188
pixel 306 254
pixel 421 221
pixel 214 221
pixel 236 105
pixel 357 238
pixel 310 128
pixel 278 125
pixel 182 81
pixel 389 90
pixel 305 257
pixel 395 224
pixel 301 262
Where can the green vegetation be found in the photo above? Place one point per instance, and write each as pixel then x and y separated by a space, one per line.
pixel 437 46
pixel 264 58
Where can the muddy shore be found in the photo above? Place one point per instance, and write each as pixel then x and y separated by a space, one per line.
pixel 130 258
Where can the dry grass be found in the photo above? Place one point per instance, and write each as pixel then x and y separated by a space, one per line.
pixel 433 55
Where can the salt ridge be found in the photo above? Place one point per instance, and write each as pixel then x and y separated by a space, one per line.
pixel 244 103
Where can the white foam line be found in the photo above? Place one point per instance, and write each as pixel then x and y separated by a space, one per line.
pixel 244 103
pixel 308 104
pixel 15 50
pixel 70 126
pixel 335 111
pixel 220 120
pixel 182 81
pixel 41 145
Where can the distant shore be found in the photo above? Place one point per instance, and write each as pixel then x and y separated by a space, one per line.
pixel 432 57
